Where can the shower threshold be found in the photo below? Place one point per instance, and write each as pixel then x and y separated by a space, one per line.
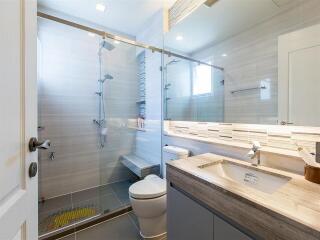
pixel 65 214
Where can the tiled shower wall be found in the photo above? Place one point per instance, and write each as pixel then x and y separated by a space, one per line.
pixel 253 60
pixel 69 72
pixel 148 142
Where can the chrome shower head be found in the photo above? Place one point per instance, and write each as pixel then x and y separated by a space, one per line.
pixel 174 61
pixel 106 77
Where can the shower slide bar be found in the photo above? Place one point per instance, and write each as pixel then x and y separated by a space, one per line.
pixel 122 39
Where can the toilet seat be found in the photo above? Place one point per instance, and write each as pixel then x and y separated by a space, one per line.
pixel 151 187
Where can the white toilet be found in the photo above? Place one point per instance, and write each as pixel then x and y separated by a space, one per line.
pixel 149 198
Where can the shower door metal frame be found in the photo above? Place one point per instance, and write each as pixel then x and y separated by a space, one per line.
pixel 122 39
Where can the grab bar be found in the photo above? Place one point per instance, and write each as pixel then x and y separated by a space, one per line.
pixel 247 89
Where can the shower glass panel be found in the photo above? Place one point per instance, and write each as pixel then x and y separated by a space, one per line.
pixel 99 103
pixel 192 91
pixel 132 128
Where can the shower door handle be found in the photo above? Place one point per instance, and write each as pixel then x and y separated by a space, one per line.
pixel 34 144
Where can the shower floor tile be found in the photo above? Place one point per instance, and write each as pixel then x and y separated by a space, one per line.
pixel 55 203
pixel 98 200
pixel 51 207
pixel 91 193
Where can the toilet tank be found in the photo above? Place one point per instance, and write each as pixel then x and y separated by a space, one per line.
pixel 172 153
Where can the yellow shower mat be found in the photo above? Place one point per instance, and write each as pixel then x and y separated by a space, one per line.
pixel 68 217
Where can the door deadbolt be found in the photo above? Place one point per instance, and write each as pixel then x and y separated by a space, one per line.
pixel 33 169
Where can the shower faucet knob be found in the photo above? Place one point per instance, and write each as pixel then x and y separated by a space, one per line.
pixel 34 144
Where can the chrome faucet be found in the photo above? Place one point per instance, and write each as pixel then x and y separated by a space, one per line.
pixel 254 153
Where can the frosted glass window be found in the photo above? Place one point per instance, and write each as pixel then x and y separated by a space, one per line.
pixel 202 80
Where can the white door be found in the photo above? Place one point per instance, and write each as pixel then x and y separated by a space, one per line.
pixel 299 77
pixel 18 119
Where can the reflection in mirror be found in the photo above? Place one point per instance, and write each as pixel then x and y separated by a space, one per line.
pixel 299 75
pixel 192 91
pixel 241 37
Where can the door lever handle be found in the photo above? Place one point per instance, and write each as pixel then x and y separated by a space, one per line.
pixel 34 144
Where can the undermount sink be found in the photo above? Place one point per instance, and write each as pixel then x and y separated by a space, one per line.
pixel 250 176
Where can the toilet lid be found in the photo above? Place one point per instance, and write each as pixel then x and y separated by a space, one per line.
pixel 148 188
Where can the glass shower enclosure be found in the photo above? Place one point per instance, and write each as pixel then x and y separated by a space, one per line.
pixel 99 101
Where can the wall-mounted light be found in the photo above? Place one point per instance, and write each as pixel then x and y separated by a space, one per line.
pixel 100 7
pixel 179 38
pixel 116 42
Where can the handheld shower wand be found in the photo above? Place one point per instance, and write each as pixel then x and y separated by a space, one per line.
pixel 106 77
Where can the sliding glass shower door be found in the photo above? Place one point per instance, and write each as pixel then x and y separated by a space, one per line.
pixel 99 103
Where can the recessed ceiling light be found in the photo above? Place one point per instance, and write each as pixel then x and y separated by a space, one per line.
pixel 91 34
pixel 179 38
pixel 224 55
pixel 116 42
pixel 100 7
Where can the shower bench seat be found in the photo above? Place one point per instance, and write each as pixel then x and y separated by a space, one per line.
pixel 139 166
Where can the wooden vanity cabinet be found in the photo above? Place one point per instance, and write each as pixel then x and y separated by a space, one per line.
pixel 189 220
pixel 186 219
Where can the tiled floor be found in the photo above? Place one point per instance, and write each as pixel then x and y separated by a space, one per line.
pixel 121 228
pixel 98 200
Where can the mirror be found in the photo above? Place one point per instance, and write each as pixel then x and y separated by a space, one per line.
pixel 249 40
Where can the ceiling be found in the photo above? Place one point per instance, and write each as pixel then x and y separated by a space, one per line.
pixel 124 16
pixel 209 25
